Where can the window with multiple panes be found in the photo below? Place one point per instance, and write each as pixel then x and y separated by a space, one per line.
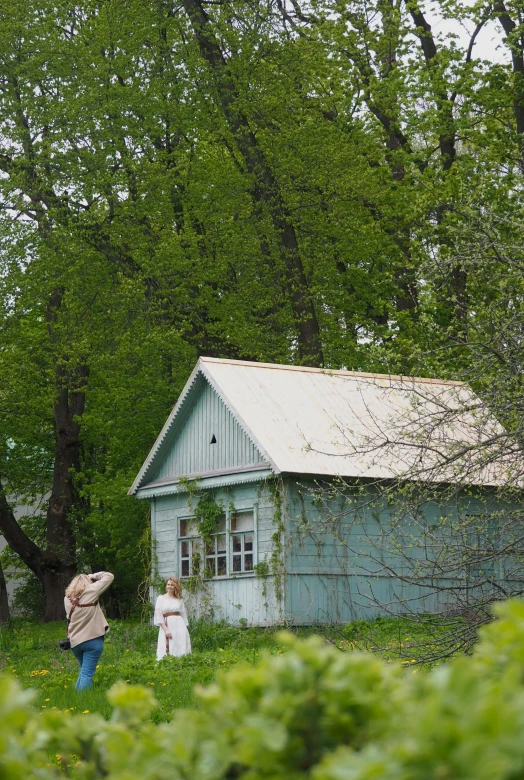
pixel 229 551
pixel 189 548
pixel 242 539
pixel 216 551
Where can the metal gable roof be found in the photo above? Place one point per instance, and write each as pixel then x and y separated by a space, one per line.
pixel 342 423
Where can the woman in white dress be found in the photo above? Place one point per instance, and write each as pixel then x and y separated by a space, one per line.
pixel 171 617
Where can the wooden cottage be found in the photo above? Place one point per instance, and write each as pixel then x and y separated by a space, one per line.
pixel 255 479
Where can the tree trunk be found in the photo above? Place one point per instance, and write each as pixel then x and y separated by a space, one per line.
pixel 60 560
pixel 4 604
pixel 55 565
pixel 265 190
pixel 54 584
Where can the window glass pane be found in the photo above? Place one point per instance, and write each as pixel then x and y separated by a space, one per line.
pixel 210 567
pixel 221 566
pixel 221 524
pixel 221 544
pixel 242 521
pixel 248 542
pixel 248 562
pixel 237 563
pixel 186 527
pixel 210 547
pixel 237 544
pixel 185 568
pixel 184 547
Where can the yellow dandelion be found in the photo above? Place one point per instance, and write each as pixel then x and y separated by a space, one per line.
pixel 85 712
pixel 44 707
pixel 47 699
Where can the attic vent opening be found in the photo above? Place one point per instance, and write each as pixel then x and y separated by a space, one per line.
pixel 213 439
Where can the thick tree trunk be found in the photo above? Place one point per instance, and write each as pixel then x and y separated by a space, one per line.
pixel 60 566
pixel 265 189
pixel 60 558
pixel 55 565
pixel 4 604
pixel 54 584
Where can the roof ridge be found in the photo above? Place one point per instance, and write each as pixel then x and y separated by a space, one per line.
pixel 335 372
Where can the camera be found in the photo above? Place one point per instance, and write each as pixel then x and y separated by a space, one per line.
pixel 64 644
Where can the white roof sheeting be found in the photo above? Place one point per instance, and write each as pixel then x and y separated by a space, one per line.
pixel 348 424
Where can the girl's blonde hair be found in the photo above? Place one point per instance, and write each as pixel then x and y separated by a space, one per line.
pixel 178 587
pixel 77 586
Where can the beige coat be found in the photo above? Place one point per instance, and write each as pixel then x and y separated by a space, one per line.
pixel 89 622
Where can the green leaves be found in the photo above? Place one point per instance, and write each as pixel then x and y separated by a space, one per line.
pixel 311 712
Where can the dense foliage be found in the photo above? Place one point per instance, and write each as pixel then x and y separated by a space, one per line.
pixel 329 183
pixel 309 712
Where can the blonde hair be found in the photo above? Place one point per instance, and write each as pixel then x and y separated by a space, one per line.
pixel 77 586
pixel 178 586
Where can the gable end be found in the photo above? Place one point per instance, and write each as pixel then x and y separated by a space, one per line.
pixel 210 440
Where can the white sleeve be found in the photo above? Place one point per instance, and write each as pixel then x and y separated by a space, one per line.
pixel 158 619
pixel 183 613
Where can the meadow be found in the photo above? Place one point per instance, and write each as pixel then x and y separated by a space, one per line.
pixel 29 652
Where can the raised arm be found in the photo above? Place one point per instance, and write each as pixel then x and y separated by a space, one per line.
pixel 100 582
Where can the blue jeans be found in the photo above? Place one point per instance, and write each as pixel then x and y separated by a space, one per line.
pixel 87 655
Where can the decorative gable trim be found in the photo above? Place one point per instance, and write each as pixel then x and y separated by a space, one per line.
pixel 177 418
pixel 205 482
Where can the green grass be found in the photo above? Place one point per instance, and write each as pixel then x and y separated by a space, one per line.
pixel 30 652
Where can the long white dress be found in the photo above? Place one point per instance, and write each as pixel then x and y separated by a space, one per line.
pixel 180 643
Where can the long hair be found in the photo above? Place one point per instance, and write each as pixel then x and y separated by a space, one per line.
pixel 77 586
pixel 178 587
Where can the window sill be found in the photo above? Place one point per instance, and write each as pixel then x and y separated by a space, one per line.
pixel 236 576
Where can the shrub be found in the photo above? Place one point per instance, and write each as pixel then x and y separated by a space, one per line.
pixel 312 712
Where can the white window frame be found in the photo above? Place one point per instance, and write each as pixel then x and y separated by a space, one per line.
pixel 196 541
pixel 215 554
pixel 242 552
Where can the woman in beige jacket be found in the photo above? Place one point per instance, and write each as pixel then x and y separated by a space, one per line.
pixel 87 624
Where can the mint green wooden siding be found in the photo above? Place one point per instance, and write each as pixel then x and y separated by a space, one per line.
pixel 192 452
pixel 337 569
pixel 244 597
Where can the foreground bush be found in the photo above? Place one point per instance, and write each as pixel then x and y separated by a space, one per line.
pixel 311 712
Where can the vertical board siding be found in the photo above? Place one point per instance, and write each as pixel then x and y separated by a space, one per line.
pixel 192 451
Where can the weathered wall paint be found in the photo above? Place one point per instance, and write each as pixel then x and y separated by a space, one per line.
pixel 244 597
pixel 339 564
